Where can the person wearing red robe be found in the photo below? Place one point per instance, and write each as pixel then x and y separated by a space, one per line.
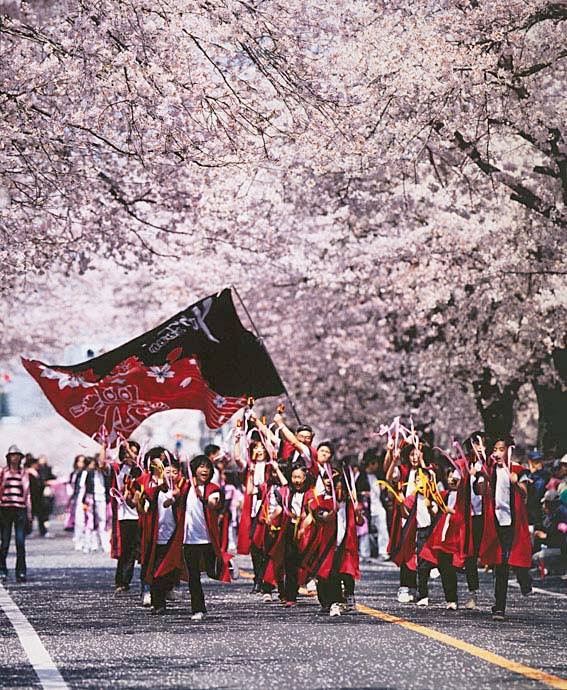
pixel 413 520
pixel 448 546
pixel 125 531
pixel 155 462
pixel 267 525
pixel 331 548
pixel 161 524
pixel 256 464
pixel 474 447
pixel 195 545
pixel 297 446
pixel 286 554
pixel 506 538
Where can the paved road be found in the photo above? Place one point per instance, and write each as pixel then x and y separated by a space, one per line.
pixel 98 640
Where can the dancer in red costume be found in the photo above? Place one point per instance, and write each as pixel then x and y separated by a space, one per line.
pixel 506 537
pixel 412 519
pixel 286 554
pixel 448 547
pixel 331 549
pixel 195 545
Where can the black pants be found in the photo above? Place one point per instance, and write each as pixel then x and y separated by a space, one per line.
pixel 197 556
pixel 259 563
pixel 162 585
pixel 329 590
pixel 424 567
pixel 348 584
pixel 408 578
pixel 17 518
pixel 471 564
pixel 129 547
pixel 448 576
pixel 502 571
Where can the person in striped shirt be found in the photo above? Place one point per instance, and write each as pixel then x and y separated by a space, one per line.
pixel 15 510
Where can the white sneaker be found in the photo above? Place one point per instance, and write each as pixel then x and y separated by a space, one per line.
pixel 233 570
pixel 335 610
pixel 147 599
pixel 472 602
pixel 451 606
pixel 423 602
pixel 198 616
pixel 267 597
pixel 404 596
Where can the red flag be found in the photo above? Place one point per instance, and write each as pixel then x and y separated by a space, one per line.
pixel 121 401
pixel 202 358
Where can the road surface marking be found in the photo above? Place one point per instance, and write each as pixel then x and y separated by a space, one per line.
pixel 484 654
pixel 42 663
pixel 539 590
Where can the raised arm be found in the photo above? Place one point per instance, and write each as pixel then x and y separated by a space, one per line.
pixel 290 436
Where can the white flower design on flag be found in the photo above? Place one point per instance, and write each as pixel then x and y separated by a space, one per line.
pixel 186 382
pixel 161 373
pixel 65 380
pixel 219 401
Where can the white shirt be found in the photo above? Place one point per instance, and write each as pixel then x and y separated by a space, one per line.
pixel 502 497
pixel 376 506
pixel 319 484
pixel 196 530
pixel 124 510
pixel 166 519
pixel 476 500
pixel 341 523
pixel 423 516
pixel 297 502
pixel 451 502
pixel 259 478
pixel 99 488
pixel 273 502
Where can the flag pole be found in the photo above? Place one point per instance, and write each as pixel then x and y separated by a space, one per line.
pixel 261 339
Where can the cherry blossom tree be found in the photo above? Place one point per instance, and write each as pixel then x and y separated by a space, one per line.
pixel 385 182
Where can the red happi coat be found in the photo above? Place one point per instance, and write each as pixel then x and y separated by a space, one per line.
pixel 173 560
pixel 453 531
pixel 289 530
pixel 403 534
pixel 263 536
pixel 115 542
pixel 289 449
pixel 147 482
pixel 247 524
pixel 224 523
pixel 490 549
pixel 323 557
pixel 152 528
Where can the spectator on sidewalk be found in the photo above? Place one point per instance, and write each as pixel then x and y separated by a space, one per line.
pixel 537 478
pixel 15 510
pixel 553 535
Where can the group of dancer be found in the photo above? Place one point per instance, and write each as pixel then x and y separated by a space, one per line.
pixel 300 511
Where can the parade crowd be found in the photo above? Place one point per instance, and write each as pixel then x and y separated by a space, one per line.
pixel 306 517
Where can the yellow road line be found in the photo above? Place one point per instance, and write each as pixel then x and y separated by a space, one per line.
pixel 484 654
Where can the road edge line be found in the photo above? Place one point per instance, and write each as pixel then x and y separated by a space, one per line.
pixel 47 672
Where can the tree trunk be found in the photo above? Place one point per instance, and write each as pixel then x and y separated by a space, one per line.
pixel 495 404
pixel 552 404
